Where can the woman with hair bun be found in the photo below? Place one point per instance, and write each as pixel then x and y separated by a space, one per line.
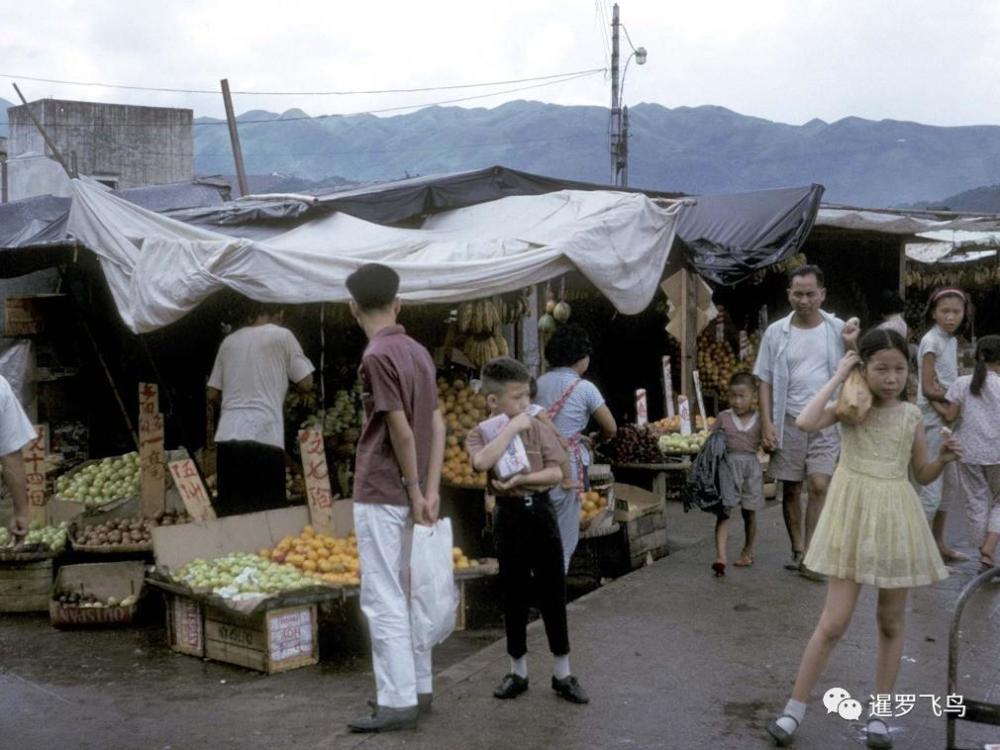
pixel 572 402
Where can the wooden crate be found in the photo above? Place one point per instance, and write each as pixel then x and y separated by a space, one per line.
pixel 25 587
pixel 272 641
pixel 646 536
pixel 185 625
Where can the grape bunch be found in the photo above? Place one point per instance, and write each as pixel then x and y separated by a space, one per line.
pixel 633 445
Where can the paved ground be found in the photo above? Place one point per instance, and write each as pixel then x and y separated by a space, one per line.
pixel 672 657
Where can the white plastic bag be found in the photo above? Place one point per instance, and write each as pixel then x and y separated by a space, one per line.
pixel 433 594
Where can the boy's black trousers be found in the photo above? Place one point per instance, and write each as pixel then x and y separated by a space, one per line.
pixel 528 545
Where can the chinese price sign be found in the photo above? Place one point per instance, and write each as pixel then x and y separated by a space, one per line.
pixel 34 469
pixel 149 399
pixel 192 489
pixel 152 458
pixel 317 480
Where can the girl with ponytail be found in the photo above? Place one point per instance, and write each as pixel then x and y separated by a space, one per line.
pixel 976 399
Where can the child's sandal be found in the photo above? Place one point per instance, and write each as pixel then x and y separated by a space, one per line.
pixel 780 736
pixel 719 568
pixel 745 561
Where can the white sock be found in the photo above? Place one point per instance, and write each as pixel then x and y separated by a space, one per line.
pixel 795 709
pixel 519 666
pixel 560 667
pixel 877 725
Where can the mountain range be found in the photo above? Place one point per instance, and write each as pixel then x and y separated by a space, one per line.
pixel 706 149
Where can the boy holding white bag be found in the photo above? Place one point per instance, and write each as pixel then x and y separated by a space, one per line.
pixel 523 458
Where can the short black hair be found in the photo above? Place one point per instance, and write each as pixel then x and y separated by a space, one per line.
pixel 743 378
pixel 808 270
pixel 877 340
pixel 497 373
pixel 373 286
pixel 254 309
pixel 568 345
pixel 890 303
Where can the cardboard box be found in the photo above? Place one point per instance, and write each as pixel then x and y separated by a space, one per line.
pixel 272 641
pixel 632 502
pixel 185 625
pixel 104 580
pixel 25 587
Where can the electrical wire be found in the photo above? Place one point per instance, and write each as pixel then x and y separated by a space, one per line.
pixel 384 110
pixel 302 93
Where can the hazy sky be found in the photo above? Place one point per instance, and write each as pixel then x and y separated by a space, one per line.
pixel 786 60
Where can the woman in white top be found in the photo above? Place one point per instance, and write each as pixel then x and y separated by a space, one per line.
pixel 572 402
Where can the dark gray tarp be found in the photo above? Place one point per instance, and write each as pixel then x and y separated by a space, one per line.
pixel 387 202
pixel 733 236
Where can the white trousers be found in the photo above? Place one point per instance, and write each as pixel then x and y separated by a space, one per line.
pixel 981 489
pixel 385 537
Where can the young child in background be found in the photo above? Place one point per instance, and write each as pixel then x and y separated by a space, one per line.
pixel 528 544
pixel 743 485
pixel 871 530
pixel 976 398
pixel 937 369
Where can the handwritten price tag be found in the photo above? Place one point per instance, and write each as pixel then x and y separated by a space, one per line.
pixel 317 480
pixel 192 489
pixel 152 464
pixel 34 469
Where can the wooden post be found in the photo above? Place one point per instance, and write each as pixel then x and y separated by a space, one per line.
pixel 689 328
pixel 902 268
pixel 192 490
pixel 45 136
pixel 317 480
pixel 34 468
pixel 152 457
pixel 234 138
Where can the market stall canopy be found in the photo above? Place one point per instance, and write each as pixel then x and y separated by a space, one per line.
pixel 953 246
pixel 159 268
pixel 733 236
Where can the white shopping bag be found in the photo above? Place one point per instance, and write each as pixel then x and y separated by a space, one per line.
pixel 433 594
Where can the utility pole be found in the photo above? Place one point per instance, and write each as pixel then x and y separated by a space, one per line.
pixel 616 113
pixel 623 149
pixel 234 139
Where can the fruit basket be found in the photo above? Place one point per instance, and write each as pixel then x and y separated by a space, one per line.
pixel 41 543
pixel 128 534
pixel 96 595
pixel 101 483
pixel 595 509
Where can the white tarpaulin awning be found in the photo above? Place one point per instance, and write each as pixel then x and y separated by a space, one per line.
pixel 952 246
pixel 159 269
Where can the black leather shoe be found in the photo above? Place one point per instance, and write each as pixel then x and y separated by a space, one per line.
pixel 386 719
pixel 570 689
pixel 511 687
pixel 424 701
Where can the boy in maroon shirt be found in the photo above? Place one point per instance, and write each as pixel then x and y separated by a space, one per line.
pixel 396 484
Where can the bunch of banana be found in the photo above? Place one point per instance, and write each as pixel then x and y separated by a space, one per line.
pixel 481 350
pixel 513 311
pixel 479 317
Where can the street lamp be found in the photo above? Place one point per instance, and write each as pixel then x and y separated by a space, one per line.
pixel 619 119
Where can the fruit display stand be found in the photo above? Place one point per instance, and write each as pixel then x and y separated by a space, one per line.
pixel 97 595
pixel 267 633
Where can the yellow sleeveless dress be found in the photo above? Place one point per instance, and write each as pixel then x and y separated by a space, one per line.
pixel 873 529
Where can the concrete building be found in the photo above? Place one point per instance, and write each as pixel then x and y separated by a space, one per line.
pixel 122 146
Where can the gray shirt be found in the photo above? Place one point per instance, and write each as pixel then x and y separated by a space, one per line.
pixel 944 347
pixel 582 403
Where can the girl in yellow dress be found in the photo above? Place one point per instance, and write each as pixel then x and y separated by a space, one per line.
pixel 872 529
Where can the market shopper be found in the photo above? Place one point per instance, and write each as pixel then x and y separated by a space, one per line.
pixel 743 484
pixel 890 310
pixel 250 379
pixel 798 354
pixel 872 531
pixel 396 484
pixel 529 548
pixel 572 402
pixel 976 398
pixel 937 370
pixel 16 431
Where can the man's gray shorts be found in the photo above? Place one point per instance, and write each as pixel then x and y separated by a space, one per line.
pixel 804 453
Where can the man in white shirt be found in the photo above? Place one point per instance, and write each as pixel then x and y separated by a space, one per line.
pixel 798 355
pixel 16 431
pixel 250 377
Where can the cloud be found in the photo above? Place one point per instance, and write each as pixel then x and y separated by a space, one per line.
pixel 786 60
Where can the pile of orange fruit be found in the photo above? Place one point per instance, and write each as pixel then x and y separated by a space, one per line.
pixel 591 504
pixel 463 409
pixel 330 559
